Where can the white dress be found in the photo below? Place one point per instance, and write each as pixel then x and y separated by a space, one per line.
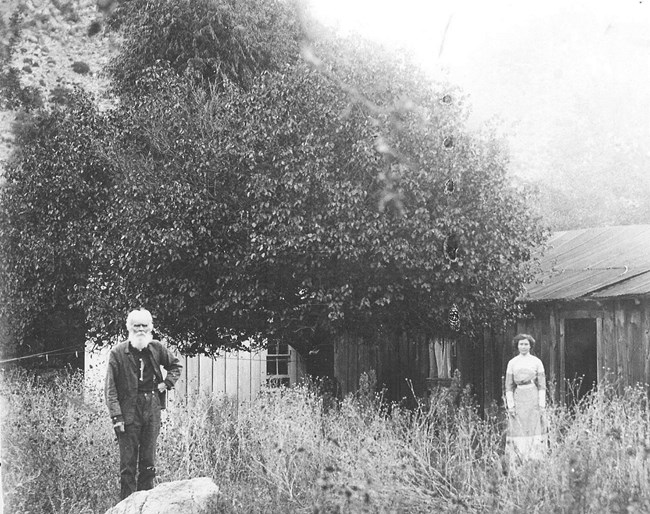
pixel 526 394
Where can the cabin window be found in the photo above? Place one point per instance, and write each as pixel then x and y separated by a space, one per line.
pixel 277 365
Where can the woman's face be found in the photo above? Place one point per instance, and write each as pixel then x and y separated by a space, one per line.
pixel 524 346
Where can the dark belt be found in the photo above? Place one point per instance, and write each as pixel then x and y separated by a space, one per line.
pixel 147 392
pixel 525 382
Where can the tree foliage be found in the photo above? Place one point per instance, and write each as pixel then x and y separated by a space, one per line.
pixel 209 41
pixel 338 193
pixel 55 191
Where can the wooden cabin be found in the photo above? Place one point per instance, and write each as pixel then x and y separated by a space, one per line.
pixel 590 308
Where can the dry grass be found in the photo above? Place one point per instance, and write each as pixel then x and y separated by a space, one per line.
pixel 287 452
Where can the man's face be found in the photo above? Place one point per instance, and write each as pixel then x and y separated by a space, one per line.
pixel 140 331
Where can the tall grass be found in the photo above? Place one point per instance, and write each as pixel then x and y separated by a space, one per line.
pixel 289 452
pixel 58 450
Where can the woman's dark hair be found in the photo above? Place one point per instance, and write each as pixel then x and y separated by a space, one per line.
pixel 519 337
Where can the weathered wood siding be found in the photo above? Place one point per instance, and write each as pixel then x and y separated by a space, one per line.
pixel 629 333
pixel 622 338
pixel 401 364
pixel 496 348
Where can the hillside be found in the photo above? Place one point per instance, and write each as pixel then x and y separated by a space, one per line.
pixel 55 52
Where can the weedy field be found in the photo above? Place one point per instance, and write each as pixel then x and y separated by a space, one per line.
pixel 293 450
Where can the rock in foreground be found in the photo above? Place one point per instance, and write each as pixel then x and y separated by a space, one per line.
pixel 195 496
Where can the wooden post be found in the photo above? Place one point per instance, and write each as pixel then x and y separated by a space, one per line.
pixel 622 349
pixel 600 350
pixel 609 342
pixel 645 336
pixel 562 350
pixel 636 367
pixel 553 360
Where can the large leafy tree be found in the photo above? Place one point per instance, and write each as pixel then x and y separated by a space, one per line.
pixel 56 189
pixel 317 200
pixel 338 193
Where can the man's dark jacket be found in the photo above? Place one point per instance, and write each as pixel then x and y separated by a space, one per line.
pixel 121 387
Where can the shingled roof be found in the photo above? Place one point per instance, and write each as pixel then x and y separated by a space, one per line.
pixel 606 262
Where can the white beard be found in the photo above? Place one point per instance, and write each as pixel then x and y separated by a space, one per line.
pixel 140 340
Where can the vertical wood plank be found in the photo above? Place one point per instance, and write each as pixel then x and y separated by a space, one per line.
pixel 181 383
pixel 388 363
pixel 433 368
pixel 636 364
pixel 353 365
pixel 600 351
pixel 405 357
pixel 301 368
pixel 341 365
pixel 488 366
pixel 372 357
pixel 384 376
pixel 192 376
pixel 622 349
pixel 541 335
pixel 218 376
pixel 423 351
pixel 609 342
pixel 421 365
pixel 243 375
pixel 553 352
pixel 251 391
pixel 337 368
pixel 562 355
pixel 341 370
pixel 364 364
pixel 231 374
pixel 205 374
pixel 645 334
pixel 259 372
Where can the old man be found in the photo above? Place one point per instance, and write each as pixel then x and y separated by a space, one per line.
pixel 135 391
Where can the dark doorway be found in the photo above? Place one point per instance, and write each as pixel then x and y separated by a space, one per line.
pixel 580 364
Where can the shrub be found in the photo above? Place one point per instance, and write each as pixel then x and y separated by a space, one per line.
pixel 214 41
pixel 61 95
pixel 80 67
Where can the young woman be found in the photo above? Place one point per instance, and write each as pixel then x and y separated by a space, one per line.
pixel 525 401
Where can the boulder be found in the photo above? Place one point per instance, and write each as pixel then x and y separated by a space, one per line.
pixel 195 496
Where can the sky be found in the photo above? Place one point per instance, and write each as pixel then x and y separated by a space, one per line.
pixel 568 81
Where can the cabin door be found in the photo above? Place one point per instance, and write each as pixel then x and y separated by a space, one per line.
pixel 580 356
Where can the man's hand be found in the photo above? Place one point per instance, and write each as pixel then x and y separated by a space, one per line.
pixel 118 426
pixel 162 387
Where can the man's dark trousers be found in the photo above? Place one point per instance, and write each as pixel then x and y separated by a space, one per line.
pixel 138 445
